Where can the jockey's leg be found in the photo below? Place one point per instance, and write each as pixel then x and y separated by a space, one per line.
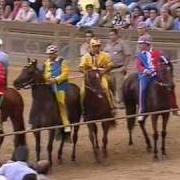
pixel 60 95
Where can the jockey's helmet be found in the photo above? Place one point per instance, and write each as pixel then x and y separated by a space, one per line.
pixel 144 39
pixel 95 42
pixel 52 49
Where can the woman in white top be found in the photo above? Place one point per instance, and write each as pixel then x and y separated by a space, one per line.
pixel 26 14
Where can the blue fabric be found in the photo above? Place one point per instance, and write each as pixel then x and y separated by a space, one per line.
pixel 42 14
pixel 74 18
pixel 56 71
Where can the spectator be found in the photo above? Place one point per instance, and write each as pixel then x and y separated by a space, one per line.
pixel 18 170
pixel 6 10
pixel 85 47
pixel 146 12
pixel 70 17
pixel 177 20
pixel 164 21
pixel 89 19
pixel 83 4
pixel 107 18
pixel 120 54
pixel 121 19
pixel 16 9
pixel 142 30
pixel 26 14
pixel 151 21
pixel 74 4
pixel 43 11
pixel 136 16
pixel 54 14
pixel 35 4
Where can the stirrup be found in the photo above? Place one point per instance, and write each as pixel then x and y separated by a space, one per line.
pixel 67 129
pixel 140 118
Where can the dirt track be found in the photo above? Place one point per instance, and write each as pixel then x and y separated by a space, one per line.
pixel 124 162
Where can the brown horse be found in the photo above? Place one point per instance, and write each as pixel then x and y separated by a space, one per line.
pixel 44 109
pixel 158 99
pixel 96 106
pixel 12 107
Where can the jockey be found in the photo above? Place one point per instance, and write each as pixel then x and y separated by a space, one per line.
pixel 56 74
pixel 146 70
pixel 97 59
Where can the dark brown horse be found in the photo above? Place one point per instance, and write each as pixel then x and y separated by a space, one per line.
pixel 158 99
pixel 44 109
pixel 12 107
pixel 96 106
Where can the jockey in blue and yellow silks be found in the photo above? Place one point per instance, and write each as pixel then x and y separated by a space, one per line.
pixel 146 70
pixel 97 59
pixel 56 74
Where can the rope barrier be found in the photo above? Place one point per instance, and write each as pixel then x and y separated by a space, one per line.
pixel 88 122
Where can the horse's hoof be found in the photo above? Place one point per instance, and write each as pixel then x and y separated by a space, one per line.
pixel 155 158
pixel 164 157
pixel 149 149
pixel 130 143
pixel 73 159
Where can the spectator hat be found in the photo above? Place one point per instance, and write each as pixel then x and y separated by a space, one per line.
pixel 141 25
pixel 95 42
pixel 144 40
pixel 52 49
pixel 121 7
pixel 1 42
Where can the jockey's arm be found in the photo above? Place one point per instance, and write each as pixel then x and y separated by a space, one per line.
pixel 108 63
pixel 84 64
pixel 64 74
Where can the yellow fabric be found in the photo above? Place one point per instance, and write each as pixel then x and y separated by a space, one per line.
pixel 64 71
pixel 83 3
pixel 103 60
pixel 60 95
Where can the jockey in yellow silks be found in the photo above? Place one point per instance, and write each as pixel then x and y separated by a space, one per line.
pixel 97 59
pixel 56 73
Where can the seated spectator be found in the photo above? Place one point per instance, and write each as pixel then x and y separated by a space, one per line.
pixel 136 16
pixel 151 21
pixel 6 10
pixel 89 19
pixel 70 17
pixel 35 4
pixel 18 170
pixel 107 18
pixel 54 14
pixel 146 12
pixel 83 3
pixel 121 19
pixel 177 20
pixel 26 14
pixel 16 9
pixel 142 30
pixel 43 11
pixel 164 21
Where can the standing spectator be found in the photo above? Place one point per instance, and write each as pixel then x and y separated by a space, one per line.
pixel 120 54
pixel 107 18
pixel 70 17
pixel 177 20
pixel 16 9
pixel 136 16
pixel 83 3
pixel 151 21
pixel 89 19
pixel 164 21
pixel 43 11
pixel 85 47
pixel 121 19
pixel 146 12
pixel 54 14
pixel 26 14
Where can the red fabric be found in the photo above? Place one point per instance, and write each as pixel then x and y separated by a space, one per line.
pixel 3 79
pixel 156 55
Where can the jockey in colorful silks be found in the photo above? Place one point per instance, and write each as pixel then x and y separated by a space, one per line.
pixel 146 70
pixel 97 59
pixel 56 73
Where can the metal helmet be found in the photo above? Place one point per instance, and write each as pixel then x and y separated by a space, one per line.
pixel 52 49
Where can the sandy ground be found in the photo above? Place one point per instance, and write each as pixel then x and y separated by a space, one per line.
pixel 124 162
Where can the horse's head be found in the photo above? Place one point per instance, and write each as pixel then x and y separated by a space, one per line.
pixel 29 75
pixel 165 73
pixel 93 82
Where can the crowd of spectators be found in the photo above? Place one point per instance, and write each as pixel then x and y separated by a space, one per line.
pixel 120 14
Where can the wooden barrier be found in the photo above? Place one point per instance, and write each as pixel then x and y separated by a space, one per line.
pixel 23 40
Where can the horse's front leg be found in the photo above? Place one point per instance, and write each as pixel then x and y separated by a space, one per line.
pixel 105 126
pixel 147 140
pixel 37 136
pixel 91 128
pixel 75 138
pixel 155 135
pixel 60 151
pixel 50 145
pixel 165 117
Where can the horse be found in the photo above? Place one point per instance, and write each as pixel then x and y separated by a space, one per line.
pixel 44 109
pixel 158 99
pixel 96 106
pixel 12 108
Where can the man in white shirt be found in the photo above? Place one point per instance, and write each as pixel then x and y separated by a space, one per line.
pixel 18 170
pixel 90 19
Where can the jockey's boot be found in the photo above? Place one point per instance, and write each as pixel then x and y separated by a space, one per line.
pixel 176 113
pixel 140 118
